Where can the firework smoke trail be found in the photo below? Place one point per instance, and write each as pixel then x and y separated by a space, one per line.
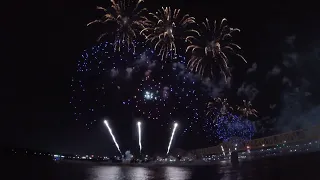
pixel 139 131
pixel 113 138
pixel 173 131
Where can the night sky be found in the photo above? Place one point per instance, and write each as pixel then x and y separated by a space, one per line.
pixel 37 112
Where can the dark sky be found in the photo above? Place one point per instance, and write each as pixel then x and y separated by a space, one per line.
pixel 41 61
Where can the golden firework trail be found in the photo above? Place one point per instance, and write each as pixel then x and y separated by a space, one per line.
pixel 212 51
pixel 167 26
pixel 129 20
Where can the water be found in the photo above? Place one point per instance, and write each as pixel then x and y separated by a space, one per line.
pixel 291 167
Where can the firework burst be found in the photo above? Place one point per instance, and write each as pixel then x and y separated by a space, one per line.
pixel 210 53
pixel 228 127
pixel 218 107
pixel 223 123
pixel 163 33
pixel 247 109
pixel 159 96
pixel 128 17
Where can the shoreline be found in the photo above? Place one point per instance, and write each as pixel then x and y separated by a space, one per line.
pixel 194 163
pixel 154 164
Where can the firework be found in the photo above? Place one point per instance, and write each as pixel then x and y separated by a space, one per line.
pixel 173 131
pixel 113 138
pixel 228 127
pixel 148 95
pixel 176 94
pixel 139 133
pixel 247 110
pixel 128 17
pixel 163 33
pixel 218 107
pixel 210 53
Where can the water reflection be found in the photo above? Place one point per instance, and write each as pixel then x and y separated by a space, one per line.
pixel 119 173
pixel 138 173
pixel 226 172
pixel 177 173
pixel 229 172
pixel 105 172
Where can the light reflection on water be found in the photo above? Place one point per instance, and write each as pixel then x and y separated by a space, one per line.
pixel 274 168
pixel 138 173
pixel 104 172
pixel 288 167
pixel 177 173
pixel 229 173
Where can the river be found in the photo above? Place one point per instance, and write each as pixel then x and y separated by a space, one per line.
pixel 304 167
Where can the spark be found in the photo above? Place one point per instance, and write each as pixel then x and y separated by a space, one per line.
pixel 228 126
pixel 166 29
pixel 247 109
pixel 173 131
pixel 113 138
pixel 211 53
pixel 225 123
pixel 218 107
pixel 148 95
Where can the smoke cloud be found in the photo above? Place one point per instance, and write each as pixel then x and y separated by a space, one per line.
pixel 213 88
pixel 275 71
pixel 129 72
pixel 298 107
pixel 253 68
pixel 114 73
pixel 248 91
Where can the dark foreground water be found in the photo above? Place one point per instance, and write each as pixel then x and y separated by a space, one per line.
pixel 303 167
